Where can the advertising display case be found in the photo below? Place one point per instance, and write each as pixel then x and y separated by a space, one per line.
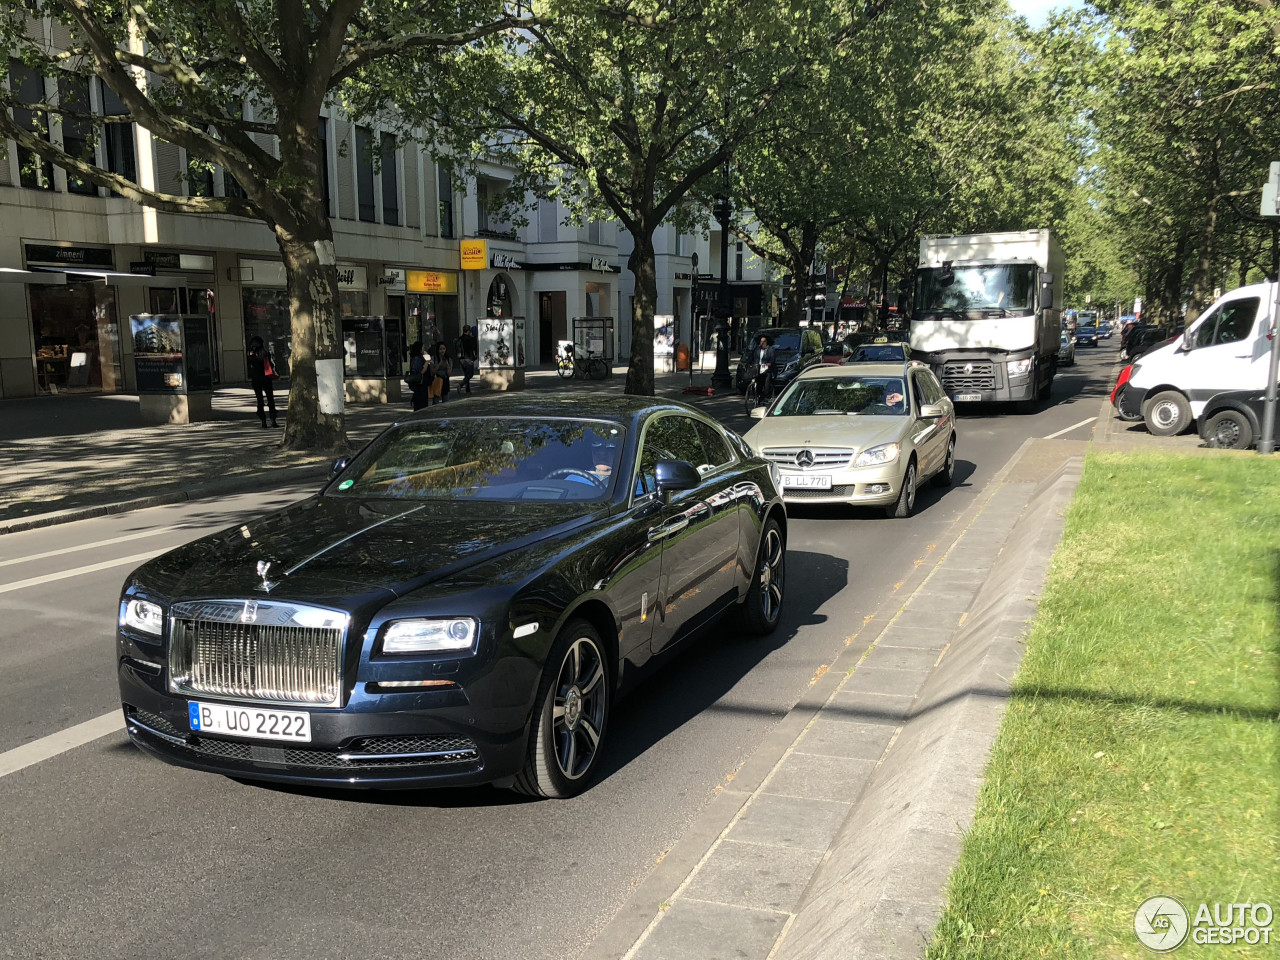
pixel 373 361
pixel 173 366
pixel 501 349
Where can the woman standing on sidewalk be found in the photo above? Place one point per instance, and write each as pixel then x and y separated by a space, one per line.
pixel 441 369
pixel 261 373
pixel 418 379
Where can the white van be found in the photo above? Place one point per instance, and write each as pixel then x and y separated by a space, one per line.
pixel 1225 349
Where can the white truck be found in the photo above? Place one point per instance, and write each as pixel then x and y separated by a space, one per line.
pixel 985 317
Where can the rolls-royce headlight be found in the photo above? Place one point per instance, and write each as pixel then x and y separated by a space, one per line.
pixel 430 635
pixel 142 615
pixel 885 453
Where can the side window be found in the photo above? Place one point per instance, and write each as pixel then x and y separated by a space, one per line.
pixel 932 389
pixel 1235 322
pixel 679 436
pixel 717 450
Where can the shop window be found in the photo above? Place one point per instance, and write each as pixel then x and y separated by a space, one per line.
pixel 445 179
pixel 118 137
pixel 77 133
pixel 364 174
pixel 390 182
pixel 27 85
pixel 266 315
pixel 77 337
pixel 323 131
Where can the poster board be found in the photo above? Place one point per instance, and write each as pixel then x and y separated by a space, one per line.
pixel 157 352
pixel 495 338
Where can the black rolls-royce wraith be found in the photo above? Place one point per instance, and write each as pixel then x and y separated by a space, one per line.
pixel 462 603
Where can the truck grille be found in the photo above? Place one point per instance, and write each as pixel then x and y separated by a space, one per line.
pixel 257 651
pixel 824 458
pixel 961 375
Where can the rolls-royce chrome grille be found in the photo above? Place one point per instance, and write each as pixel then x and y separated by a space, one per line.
pixel 806 458
pixel 256 650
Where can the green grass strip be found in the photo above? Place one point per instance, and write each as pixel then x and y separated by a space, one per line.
pixel 1140 753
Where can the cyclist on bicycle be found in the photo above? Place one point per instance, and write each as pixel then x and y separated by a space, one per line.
pixel 765 359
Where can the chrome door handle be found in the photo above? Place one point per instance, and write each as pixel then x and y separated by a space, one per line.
pixel 670 528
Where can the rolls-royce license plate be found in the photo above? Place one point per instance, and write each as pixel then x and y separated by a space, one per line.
pixel 807 481
pixel 968 397
pixel 253 723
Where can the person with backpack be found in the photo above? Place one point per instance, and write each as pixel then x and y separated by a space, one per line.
pixel 467 351
pixel 439 371
pixel 261 374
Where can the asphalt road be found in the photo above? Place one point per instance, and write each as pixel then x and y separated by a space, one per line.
pixel 109 854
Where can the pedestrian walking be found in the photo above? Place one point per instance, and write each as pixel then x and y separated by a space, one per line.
pixel 468 353
pixel 261 374
pixel 441 369
pixel 417 378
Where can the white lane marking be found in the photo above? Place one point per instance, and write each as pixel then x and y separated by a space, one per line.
pixel 1069 429
pixel 11 761
pixel 77 571
pixel 89 546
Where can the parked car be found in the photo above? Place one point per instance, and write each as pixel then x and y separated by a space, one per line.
pixel 462 603
pixel 1233 420
pixel 1066 350
pixel 881 350
pixel 1086 336
pixel 860 434
pixel 794 349
pixel 1226 348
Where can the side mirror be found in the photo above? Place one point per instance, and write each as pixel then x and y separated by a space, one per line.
pixel 338 466
pixel 757 413
pixel 671 475
pixel 931 411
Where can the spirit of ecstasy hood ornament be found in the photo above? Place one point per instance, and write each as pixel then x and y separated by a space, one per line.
pixel 264 568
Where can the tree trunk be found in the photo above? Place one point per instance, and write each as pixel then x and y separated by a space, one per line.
pixel 642 264
pixel 315 359
pixel 1202 282
pixel 801 263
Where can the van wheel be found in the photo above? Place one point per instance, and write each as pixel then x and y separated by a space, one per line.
pixel 1167 413
pixel 1229 430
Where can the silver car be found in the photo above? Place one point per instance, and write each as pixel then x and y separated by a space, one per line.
pixel 862 434
pixel 1067 350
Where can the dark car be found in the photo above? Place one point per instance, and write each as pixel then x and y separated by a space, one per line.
pixel 794 349
pixel 881 351
pixel 462 603
pixel 1233 419
pixel 1086 335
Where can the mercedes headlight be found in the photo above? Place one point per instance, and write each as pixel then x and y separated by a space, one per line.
pixel 1020 368
pixel 872 456
pixel 434 635
pixel 142 615
pixel 793 364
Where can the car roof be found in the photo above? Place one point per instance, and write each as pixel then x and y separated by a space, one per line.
pixel 578 406
pixel 865 369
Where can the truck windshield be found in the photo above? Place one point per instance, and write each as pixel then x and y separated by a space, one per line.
pixel 975 291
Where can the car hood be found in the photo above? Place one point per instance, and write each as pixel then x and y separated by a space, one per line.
pixel 858 432
pixel 327 547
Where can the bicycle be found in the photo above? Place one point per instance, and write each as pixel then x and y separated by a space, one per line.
pixel 564 366
pixel 752 398
pixel 593 368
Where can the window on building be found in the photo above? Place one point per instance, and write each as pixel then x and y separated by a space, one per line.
pixel 390 182
pixel 737 261
pixel 364 175
pixel 445 180
pixel 77 134
pixel 27 86
pixel 122 155
pixel 323 132
pixel 593 231
pixel 548 221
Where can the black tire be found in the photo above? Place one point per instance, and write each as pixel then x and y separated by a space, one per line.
pixel 597 369
pixel 947 475
pixel 906 501
pixel 1229 430
pixel 576 672
pixel 761 611
pixel 750 399
pixel 564 369
pixel 1167 414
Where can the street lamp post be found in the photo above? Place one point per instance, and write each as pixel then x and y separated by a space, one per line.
pixel 695 340
pixel 721 378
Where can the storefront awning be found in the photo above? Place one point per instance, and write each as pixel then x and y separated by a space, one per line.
pixel 10 275
pixel 116 277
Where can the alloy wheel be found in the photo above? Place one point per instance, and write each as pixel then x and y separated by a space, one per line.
pixel 772 574
pixel 579 708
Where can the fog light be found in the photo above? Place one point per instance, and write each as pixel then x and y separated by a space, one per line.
pixel 877 488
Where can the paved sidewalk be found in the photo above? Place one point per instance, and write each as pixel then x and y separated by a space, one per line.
pixel 836 839
pixel 67 457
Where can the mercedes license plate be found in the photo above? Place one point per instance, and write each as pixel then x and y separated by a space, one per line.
pixel 967 397
pixel 253 723
pixel 806 481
